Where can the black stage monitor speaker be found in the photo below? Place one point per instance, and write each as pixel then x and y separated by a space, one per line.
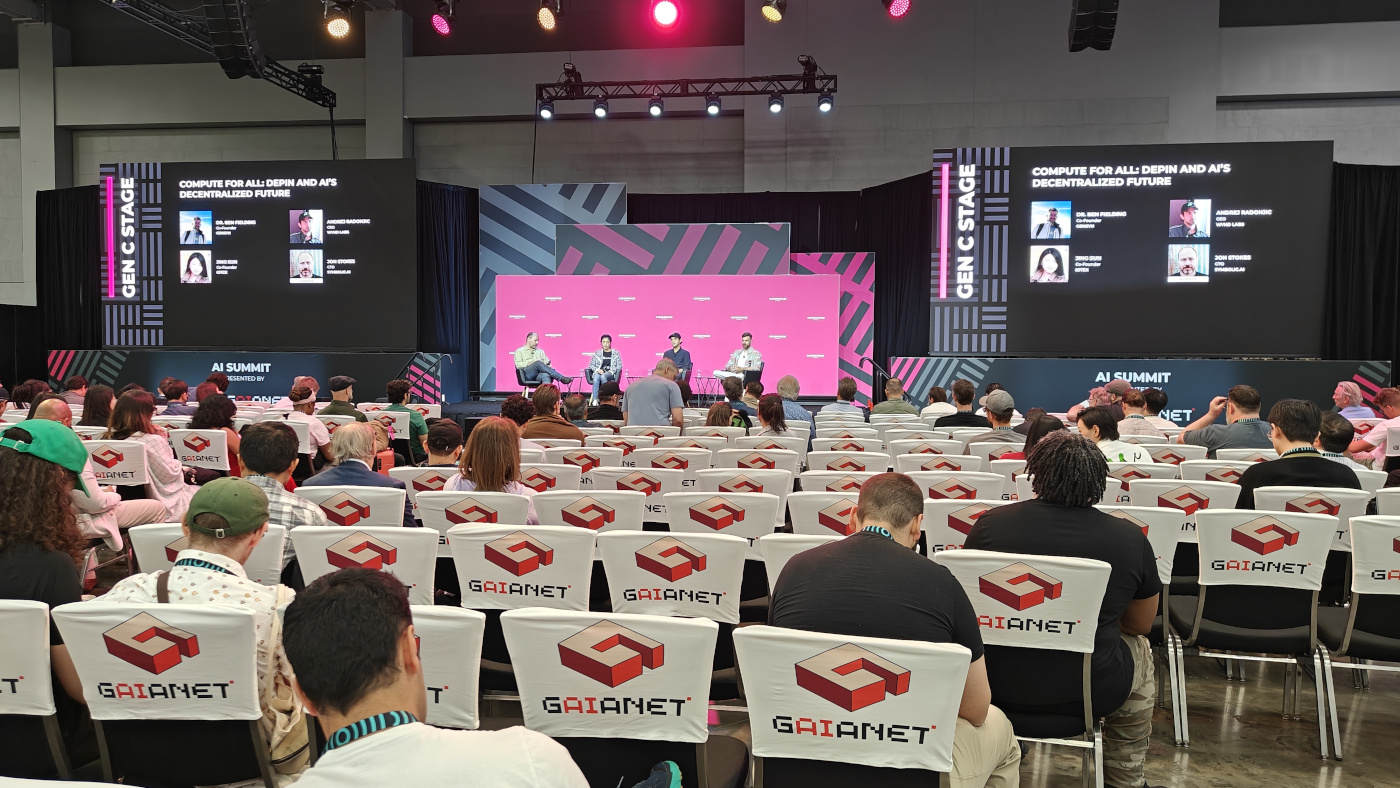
pixel 1091 24
pixel 235 41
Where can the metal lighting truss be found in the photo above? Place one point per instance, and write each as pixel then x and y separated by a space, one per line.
pixel 687 88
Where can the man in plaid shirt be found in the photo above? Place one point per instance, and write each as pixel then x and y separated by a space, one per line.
pixel 268 454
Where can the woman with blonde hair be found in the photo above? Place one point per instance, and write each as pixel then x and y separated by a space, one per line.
pixel 166 478
pixel 491 463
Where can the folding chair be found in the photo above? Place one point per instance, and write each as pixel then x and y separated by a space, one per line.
pixel 410 554
pixel 1342 503
pixel 427 411
pixel 655 433
pixel 421 480
pixel 681 574
pixel 847 444
pixel 848 461
pixel 959 484
pixel 358 506
pixel 687 460
pixel 778 549
pixel 1260 574
pixel 794 678
pixel 171 422
pixel 399 423
pixel 612 424
pixel 899 434
pixel 779 442
pixel 171 732
pixel 989 451
pixel 730 434
pixel 589 432
pixel 822 513
pixel 628 443
pixel 1388 501
pixel 1371 481
pixel 947 523
pixel 1120 474
pixel 1246 455
pixel 157 545
pixel 557 443
pixel 730 480
pixel 842 432
pixel 443 510
pixel 502 567
pixel 1175 454
pixel 201 448
pixel 543 477
pixel 449 644
pixel 1012 470
pixel 122 463
pixel 1187 499
pixel 895 418
pixel 1227 471
pixel 923 446
pixel 1146 440
pixel 1025 490
pixel 1035 591
pixel 746 515
pixel 710 442
pixel 908 463
pixel 586 460
pixel 32 744
pixel 592 509
pixel 333 423
pixel 654 483
pixel 834 481
pixel 89 433
pixel 648 675
pixel 755 459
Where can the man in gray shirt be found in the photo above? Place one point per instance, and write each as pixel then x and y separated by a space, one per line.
pixel 655 400
pixel 1242 428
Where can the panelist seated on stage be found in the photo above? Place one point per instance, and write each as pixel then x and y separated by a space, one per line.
pixel 894 400
pixel 655 400
pixel 845 398
pixel 605 366
pixel 745 359
pixel 533 364
pixel 609 403
pixel 679 356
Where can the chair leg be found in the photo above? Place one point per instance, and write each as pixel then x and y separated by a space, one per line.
pixel 261 753
pixel 1085 764
pixel 1181 694
pixel 103 753
pixel 1171 686
pixel 1288 679
pixel 1321 702
pixel 1331 704
pixel 57 751
pixel 1098 754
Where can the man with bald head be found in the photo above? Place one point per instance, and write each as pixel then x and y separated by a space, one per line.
pixel 102 514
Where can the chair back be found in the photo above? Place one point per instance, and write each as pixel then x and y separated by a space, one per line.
pixel 779 442
pixel 592 509
pixel 370 407
pixel 589 432
pixel 558 443
pixel 730 434
pixel 1185 498
pixel 1375 564
pixel 1120 474
pixel 419 480
pixel 443 510
pixel 1371 481
pixel 397 422
pixel 899 433
pixel 778 549
pixel 1176 454
pixel 895 418
pixel 628 443
pixel 654 483
pixel 746 515
pixel 1246 455
pixel 1012 471
pixel 909 463
pixel 838 415
pixel 1025 490
pixel 681 574
pixel 410 554
pixel 711 442
pixel 502 567
pixel 795 682
pixel 358 506
pixel 844 445
pixel 89 433
pixel 171 422
pixel 301 428
pixel 122 463
pixel 923 446
pixel 655 433
pixel 1342 503
pixel 543 476
pixel 449 643
pixel 586 460
pixel 688 461
pixel 157 545
pixel 1227 471
pixel 849 461
pixel 766 459
pixel 841 432
pixel 24 653
pixel 1388 501
pixel 959 484
pixel 1242 547
pixel 532 455
pixel 990 450
pixel 947 523
pixel 427 411
pixel 566 662
pixel 1146 440
pixel 835 481
pixel 1162 528
pixel 822 513
pixel 729 480
pixel 201 448
pixel 333 423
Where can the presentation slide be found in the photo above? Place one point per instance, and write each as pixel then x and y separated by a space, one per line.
pixel 312 255
pixel 1144 250
pixel 793 320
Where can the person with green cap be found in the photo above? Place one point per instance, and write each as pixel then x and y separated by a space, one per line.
pixel 226 520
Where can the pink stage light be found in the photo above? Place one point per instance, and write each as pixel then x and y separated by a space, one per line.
pixel 441 25
pixel 665 12
pixel 898 8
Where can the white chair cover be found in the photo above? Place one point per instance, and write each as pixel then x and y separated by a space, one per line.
pixel 730 434
pixel 1240 547
pixel 444 510
pixel 122 463
pixel 1213 471
pixel 849 461
pixel 1121 473
pixel 821 513
pixel 1146 440
pixel 1187 498
pixel 409 554
pixel 201 448
pixel 988 451
pixel 959 484
pixel 24 655
pixel 358 506
pixel 655 433
pixel 1342 503
pixel 947 523
pixel 710 442
pixel 1162 528
pixel 1246 455
pixel 778 549
pixel 557 443
pixel 1175 454
pixel 427 411
pixel 628 444
pixel 1371 481
pixel 682 574
pixel 847 444
pixel 594 509
pixel 654 483
pixel 768 459
pixel 158 544
pixel 421 480
pixel 1388 501
pixel 586 460
pixel 449 643
pixel 399 423
pixel 845 432
pixel 509 566
pixel 730 480
pixel 835 481
pixel 1012 470
pixel 1375 561
pixel 543 476
pixel 333 423
pixel 923 446
pixel 747 515
pixel 908 463
pixel 688 461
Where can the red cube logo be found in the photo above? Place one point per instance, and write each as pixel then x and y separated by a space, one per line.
pixel 107 457
pixel 1002 451
pixel 172 550
pixel 717 513
pixel 610 653
pixel 941 463
pixel 963 519
pixel 852 677
pixel 848 446
pixel 670 559
pixel 837 516
pixel 625 444
pixel 670 460
pixel 655 435
pixel 639 482
pixel 846 463
pixel 740 484
pixel 583 460
pixel 1264 535
pixel 519 553
pixel 770 445
pixel 924 448
pixel 361 550
pixel 1169 456
pixel 1020 586
pixel 588 513
pixel 197 443
pixel 844 484
pixel 953 488
pixel 470 510
pixel 691 443
pixel 1127 474
pixel 1255 457
pixel 1122 515
pixel 344 509
pixel 758 461
pixel 538 480
pixel 429 481
pixel 149 643
pixel 1227 474
pixel 1313 504
pixel 1185 499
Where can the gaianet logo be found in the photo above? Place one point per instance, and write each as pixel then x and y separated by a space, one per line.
pixel 470 510
pixel 769 445
pixel 759 461
pixel 1122 515
pixel 670 460
pixel 1264 535
pixel 846 463
pixel 639 482
pixel 924 448
pixel 149 643
pixel 1001 451
pixel 1255 457
pixel 1168 456
pixel 588 513
pixel 670 559
pixel 361 550
pixel 1127 474
pixel 583 460
pixel 953 488
pixel 963 519
pixel 717 513
pixel 691 443
pixel 740 484
pixel 1227 474
pixel 107 457
pixel 429 481
pixel 625 444
pixel 852 677
pixel 1020 586
pixel 519 553
pixel 387 419
pixel 848 446
pixel 172 550
pixel 655 435
pixel 197 443
pixel 837 516
pixel 343 509
pixel 1185 499
pixel 844 484
pixel 1313 504
pixel 610 653
pixel 941 463
pixel 844 434
pixel 538 480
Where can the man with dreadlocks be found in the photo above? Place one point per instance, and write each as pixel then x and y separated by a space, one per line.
pixel 1068 475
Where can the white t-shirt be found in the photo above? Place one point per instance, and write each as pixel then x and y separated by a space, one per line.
pixel 939 409
pixel 320 436
pixel 1160 423
pixel 1376 437
pixel 420 755
pixel 1122 451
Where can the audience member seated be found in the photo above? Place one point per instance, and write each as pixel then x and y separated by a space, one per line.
pixel 987 392
pixel 300 381
pixel 1098 397
pixel 938 404
pixel 216 412
pixel 177 399
pixel 1024 428
pixel 753 390
pixel 874 584
pixel 218 379
pixel 303 404
pixel 789 390
pixel 1040 425
pixel 1242 428
pixel 349 636
pixel 385 458
pixel 721 414
pixel 342 399
pixel 684 385
pixel 1294 425
pixel 1371 445
pixel 1350 404
pixel 845 398
pixel 1156 400
pixel 609 403
pixel 40 400
pixel 226 520
pixel 1000 406
pixel 204 390
pixel 575 411
pixel 520 410
pixel 491 463
pixel 735 396
pixel 398 392
pixel 352 449
pixel 1135 416
pixel 40 546
pixel 894 400
pixel 74 389
pixel 130 387
pixel 26 392
pixel 655 400
pixel 444 444
pixel 547 424
pixel 1116 388
pixel 1068 475
pixel 268 454
pixel 97 406
pixel 1333 438
pixel 1098 425
pixel 963 392
pixel 166 478
pixel 772 418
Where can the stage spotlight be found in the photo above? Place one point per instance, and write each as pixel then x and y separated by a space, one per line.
pixel 897 8
pixel 600 108
pixel 337 13
pixel 825 102
pixel 548 16
pixel 655 107
pixel 775 103
pixel 665 12
pixel 442 18
pixel 773 10
pixel 712 105
pixel 546 110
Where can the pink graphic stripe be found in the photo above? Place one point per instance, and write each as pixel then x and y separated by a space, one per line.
pixel 753 259
pixel 570 261
pixel 619 243
pixel 657 231
pixel 111 244
pixel 693 233
pixel 727 238
pixel 943 234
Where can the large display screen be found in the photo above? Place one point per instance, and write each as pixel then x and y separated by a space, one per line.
pixel 1143 250
pixel 305 255
pixel 793 321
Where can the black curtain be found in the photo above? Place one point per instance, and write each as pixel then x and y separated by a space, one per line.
pixel 896 224
pixel 821 221
pixel 447 276
pixel 1363 264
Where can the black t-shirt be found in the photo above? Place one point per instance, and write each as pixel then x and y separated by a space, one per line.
pixel 607 360
pixel 606 413
pixel 1040 528
pixel 871 586
pixel 28 571
pixel 1296 470
pixel 963 418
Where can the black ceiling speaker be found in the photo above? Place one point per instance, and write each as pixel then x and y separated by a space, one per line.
pixel 1091 24
pixel 235 41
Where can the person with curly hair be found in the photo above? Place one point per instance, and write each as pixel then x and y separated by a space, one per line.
pixel 40 546
pixel 166 478
pixel 216 412
pixel 520 410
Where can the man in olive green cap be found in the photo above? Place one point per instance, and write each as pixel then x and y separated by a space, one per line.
pixel 226 521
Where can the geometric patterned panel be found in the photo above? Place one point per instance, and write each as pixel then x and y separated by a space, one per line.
pixel 921 374
pixel 673 249
pixel 968 271
pixel 133 298
pixel 98 366
pixel 857 325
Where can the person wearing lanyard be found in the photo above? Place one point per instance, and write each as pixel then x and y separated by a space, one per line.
pixel 351 640
pixel 1242 428
pixel 1293 426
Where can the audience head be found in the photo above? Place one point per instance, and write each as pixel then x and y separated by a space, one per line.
pixel 936 395
pixel 309 382
pixel 1347 394
pixel 517 409
pixel 1388 402
pixel 1041 425
pixel 174 389
pixel 990 387
pixel 227 516
pixel 1033 412
pixel 1117 388
pixel 1134 402
pixel 575 408
pixel 353 441
pixel 79 384
pixel 129 388
pixel 547 400
pixel 686 393
pixel 1294 422
pixel 667 369
pixel 381 435
pixel 303 398
pixel 342 387
pixel 788 388
pixel 132 414
pixel 215 412
pixel 891 501
pixel 1335 433
pixel 770 412
pixel 1067 470
pixel 39 401
pixel 218 379
pixel 754 388
pixel 203 390
pixel 491 459
pixel 963 392
pixel 444 442
pixel 720 415
pixel 733 388
pixel 609 392
pixel 1243 402
pixel 894 389
pixel 397 391
pixel 97 406
pixel 846 389
pixel 40 463
pixel 51 407
pixel 1000 407
pixel 1097 424
pixel 269 448
pixel 1156 401
pixel 1099 397
pixel 26 392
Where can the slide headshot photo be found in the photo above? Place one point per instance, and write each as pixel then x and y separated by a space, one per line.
pixel 306 266
pixel 306 226
pixel 1189 219
pixel 196 227
pixel 194 267
pixel 1188 262
pixel 1051 220
pixel 1049 263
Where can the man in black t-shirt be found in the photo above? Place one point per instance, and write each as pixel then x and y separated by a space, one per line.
pixel 1068 474
pixel 609 397
pixel 873 584
pixel 1293 426
pixel 963 392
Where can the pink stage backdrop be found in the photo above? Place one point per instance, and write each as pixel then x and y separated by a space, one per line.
pixel 795 322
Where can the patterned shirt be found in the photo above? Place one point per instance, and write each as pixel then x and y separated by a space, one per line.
pixel 287 510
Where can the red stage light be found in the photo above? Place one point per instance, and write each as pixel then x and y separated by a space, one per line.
pixel 665 12
pixel 898 8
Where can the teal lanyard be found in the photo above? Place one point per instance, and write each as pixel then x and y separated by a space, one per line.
pixel 1299 450
pixel 202 564
pixel 875 529
pixel 368 726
